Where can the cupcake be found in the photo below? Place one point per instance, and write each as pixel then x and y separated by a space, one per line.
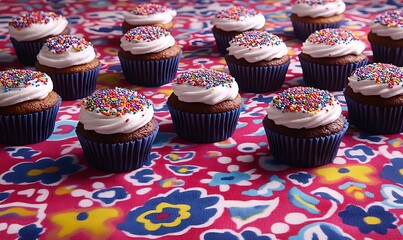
pixel 29 32
pixel 258 60
pixel 205 105
pixel 71 63
pixel 374 97
pixel 149 14
pixel 304 126
pixel 116 129
pixel 386 37
pixel 308 16
pixel 329 56
pixel 28 107
pixel 230 22
pixel 149 56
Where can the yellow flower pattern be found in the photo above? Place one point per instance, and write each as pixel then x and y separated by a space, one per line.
pixel 359 173
pixel 151 226
pixel 94 223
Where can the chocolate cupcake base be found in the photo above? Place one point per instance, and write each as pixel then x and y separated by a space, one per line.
pixel 23 129
pixel 374 117
pixel 204 127
pixel 332 77
pixel 120 156
pixel 150 73
pixel 304 152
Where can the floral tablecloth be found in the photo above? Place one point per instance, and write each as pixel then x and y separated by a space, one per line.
pixel 227 190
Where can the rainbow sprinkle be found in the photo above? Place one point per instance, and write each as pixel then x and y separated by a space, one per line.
pixel 315 2
pixel 116 102
pixel 381 73
pixel 332 36
pixel 145 33
pixel 148 9
pixel 27 20
pixel 236 13
pixel 207 78
pixel 21 78
pixel 256 38
pixel 393 18
pixel 303 99
pixel 62 43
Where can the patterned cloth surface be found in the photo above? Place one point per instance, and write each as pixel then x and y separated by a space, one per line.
pixel 232 189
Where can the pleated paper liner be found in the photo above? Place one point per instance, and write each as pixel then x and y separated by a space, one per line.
pixel 117 157
pixel 385 54
pixel 303 30
pixel 204 128
pixel 329 77
pixel 258 79
pixel 304 152
pixel 75 85
pixel 375 119
pixel 29 128
pixel 26 51
pixel 222 42
pixel 150 73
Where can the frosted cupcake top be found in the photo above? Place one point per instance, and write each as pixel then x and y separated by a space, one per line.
pixel 238 19
pixel 117 110
pixel 318 8
pixel 255 46
pixel 205 86
pixel 304 107
pixel 377 79
pixel 332 42
pixel 148 14
pixel 389 24
pixel 65 51
pixel 21 85
pixel 36 25
pixel 146 39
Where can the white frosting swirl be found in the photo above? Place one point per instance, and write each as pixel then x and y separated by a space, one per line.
pixel 396 33
pixel 38 30
pixel 19 85
pixel 144 44
pixel 159 17
pixel 388 24
pixel 305 119
pixel 188 89
pixel 332 43
pixel 109 125
pixel 241 24
pixel 305 8
pixel 377 79
pixel 70 56
pixel 125 113
pixel 255 46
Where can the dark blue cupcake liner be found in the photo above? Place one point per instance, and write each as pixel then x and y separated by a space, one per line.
pixel 204 128
pixel 71 86
pixel 375 119
pixel 329 77
pixel 117 157
pixel 28 128
pixel 222 42
pixel 26 51
pixel 385 54
pixel 304 152
pixel 150 73
pixel 258 79
pixel 303 30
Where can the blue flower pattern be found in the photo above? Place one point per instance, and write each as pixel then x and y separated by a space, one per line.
pixel 376 219
pixel 46 170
